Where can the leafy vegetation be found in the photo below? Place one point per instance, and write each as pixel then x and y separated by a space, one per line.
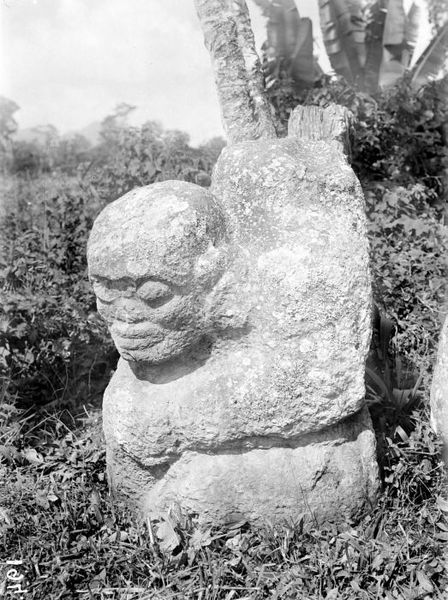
pixel 409 247
pixel 53 345
pixel 69 538
pixel 369 44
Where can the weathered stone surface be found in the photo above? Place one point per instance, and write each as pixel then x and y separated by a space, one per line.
pixel 243 320
pixel 297 211
pixel 439 392
pixel 154 255
pixel 327 476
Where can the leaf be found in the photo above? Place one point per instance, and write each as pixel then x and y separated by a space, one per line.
pixel 442 504
pixel 402 433
pixel 302 67
pixel 282 27
pixel 169 540
pixel 411 224
pixel 343 33
pixel 32 456
pixel 5 518
pixel 200 539
pixel 95 503
pixel 380 384
pixel 42 499
pixel 412 28
pixel 402 397
pixel 386 331
pixel 394 29
pixel 433 59
pixel 374 31
pixel 291 38
pixel 234 543
pixel 424 581
pixel 10 454
pixel 235 521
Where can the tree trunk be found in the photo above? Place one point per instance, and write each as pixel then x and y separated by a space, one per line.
pixel 229 38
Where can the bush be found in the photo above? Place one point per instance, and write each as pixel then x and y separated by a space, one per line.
pixel 135 156
pixel 408 259
pixel 53 346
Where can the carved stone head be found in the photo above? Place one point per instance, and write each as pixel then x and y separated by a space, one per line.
pixel 154 257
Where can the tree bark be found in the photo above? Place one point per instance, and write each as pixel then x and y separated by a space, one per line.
pixel 239 80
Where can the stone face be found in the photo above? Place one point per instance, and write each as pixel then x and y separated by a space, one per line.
pixel 439 392
pixel 242 316
pixel 154 255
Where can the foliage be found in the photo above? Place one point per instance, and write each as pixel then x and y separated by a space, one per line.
pixel 369 44
pixel 126 156
pixel 399 138
pixel 408 247
pixel 53 346
pixel 289 43
pixel 438 12
pixel 28 158
pixel 433 62
pixel 8 126
pixel 134 156
pixel 47 152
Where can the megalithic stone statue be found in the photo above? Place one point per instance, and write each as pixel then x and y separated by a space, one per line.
pixel 242 316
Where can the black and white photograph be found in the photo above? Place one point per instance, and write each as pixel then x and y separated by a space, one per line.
pixel 223 299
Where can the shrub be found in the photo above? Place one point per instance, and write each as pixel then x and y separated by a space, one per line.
pixel 134 156
pixel 408 259
pixel 53 346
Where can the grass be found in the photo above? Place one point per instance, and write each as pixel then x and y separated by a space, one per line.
pixel 69 539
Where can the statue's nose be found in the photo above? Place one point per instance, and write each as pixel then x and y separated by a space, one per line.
pixel 126 308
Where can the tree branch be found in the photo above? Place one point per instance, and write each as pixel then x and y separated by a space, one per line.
pixel 239 80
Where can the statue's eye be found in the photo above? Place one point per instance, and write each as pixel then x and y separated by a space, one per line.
pixel 154 293
pixel 104 292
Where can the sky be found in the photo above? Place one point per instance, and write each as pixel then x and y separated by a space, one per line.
pixel 70 62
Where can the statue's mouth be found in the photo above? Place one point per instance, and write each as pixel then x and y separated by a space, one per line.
pixel 136 336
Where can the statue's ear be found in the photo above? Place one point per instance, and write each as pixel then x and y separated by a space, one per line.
pixel 227 306
pixel 210 266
